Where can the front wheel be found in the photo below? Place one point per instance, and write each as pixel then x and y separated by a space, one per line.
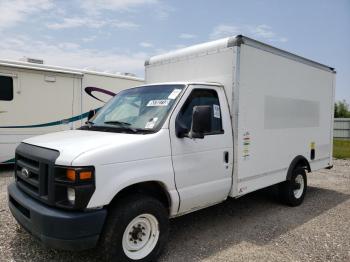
pixel 292 192
pixel 136 230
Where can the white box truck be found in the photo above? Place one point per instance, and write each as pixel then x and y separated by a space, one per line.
pixel 37 99
pixel 215 120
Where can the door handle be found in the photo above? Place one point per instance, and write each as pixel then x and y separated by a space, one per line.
pixel 226 157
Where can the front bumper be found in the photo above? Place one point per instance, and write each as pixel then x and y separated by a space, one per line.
pixel 60 229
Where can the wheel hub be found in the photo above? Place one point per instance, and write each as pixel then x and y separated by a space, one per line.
pixel 298 186
pixel 137 233
pixel 140 236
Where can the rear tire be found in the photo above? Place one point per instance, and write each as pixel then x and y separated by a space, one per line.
pixel 292 192
pixel 136 229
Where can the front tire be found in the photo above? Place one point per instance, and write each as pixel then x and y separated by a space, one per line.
pixel 136 229
pixel 292 192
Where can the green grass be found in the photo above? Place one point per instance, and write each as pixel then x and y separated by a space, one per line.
pixel 341 149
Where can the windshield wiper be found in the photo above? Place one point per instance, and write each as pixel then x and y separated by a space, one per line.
pixel 124 125
pixel 117 123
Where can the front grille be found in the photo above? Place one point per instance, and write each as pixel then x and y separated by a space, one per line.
pixel 35 171
pixel 31 174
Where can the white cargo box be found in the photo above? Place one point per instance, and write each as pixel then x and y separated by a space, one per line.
pixel 281 104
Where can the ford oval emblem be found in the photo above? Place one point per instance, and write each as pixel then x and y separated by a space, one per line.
pixel 25 172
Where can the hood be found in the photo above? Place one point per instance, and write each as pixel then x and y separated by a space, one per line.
pixel 102 147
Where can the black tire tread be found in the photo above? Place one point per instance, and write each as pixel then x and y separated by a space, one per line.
pixel 119 216
pixel 286 189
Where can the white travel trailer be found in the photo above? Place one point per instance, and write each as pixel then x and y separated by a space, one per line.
pixel 37 99
pixel 239 116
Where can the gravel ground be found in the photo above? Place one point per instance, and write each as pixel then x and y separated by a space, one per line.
pixel 252 228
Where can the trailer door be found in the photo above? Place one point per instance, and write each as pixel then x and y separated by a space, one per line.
pixel 8 91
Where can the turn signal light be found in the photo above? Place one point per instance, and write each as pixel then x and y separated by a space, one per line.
pixel 83 175
pixel 71 174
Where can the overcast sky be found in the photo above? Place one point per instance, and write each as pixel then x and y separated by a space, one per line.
pixel 118 35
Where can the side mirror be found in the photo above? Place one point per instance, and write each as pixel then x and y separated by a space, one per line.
pixel 91 114
pixel 180 129
pixel 201 121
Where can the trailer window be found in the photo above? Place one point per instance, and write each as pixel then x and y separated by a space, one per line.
pixel 6 88
pixel 200 97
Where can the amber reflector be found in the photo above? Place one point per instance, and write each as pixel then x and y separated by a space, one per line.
pixel 85 175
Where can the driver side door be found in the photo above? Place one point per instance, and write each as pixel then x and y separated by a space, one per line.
pixel 202 167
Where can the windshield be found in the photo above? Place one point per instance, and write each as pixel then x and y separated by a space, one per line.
pixel 140 109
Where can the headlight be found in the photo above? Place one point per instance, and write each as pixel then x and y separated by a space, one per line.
pixel 74 186
pixel 71 195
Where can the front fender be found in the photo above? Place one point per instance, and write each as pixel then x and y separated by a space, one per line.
pixel 112 178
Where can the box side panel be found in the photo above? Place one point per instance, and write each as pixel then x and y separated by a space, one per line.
pixel 285 110
pixel 216 66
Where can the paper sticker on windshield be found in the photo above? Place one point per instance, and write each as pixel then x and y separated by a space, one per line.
pixel 174 94
pixel 216 109
pixel 150 124
pixel 163 102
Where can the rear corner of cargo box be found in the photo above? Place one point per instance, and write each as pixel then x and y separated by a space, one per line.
pixel 285 111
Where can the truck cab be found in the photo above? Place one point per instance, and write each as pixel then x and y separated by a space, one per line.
pixel 170 142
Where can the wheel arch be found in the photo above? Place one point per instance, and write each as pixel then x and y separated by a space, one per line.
pixel 155 189
pixel 298 161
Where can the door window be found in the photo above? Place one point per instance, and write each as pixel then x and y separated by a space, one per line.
pixel 201 97
pixel 6 88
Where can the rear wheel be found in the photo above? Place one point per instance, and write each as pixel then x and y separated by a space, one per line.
pixel 292 192
pixel 136 230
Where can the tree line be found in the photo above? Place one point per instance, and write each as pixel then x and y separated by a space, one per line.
pixel 341 109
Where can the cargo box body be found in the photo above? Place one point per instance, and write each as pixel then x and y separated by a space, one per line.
pixel 281 104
